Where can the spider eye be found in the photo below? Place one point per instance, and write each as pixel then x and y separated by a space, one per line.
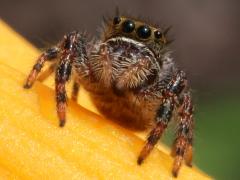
pixel 128 26
pixel 116 20
pixel 157 34
pixel 144 32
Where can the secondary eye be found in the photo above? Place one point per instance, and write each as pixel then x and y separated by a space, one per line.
pixel 128 26
pixel 144 32
pixel 116 20
pixel 157 34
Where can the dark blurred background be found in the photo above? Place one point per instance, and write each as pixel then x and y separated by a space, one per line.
pixel 207 47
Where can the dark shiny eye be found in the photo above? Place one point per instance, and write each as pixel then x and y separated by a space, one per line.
pixel 128 26
pixel 157 34
pixel 144 32
pixel 116 20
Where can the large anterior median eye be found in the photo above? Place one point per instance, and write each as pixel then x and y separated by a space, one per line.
pixel 128 26
pixel 144 32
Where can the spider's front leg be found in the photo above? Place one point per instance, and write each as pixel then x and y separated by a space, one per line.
pixel 163 116
pixel 48 55
pixel 182 148
pixel 62 75
pixel 72 52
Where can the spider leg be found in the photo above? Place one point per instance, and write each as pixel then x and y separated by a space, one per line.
pixel 75 90
pixel 72 52
pixel 163 116
pixel 48 55
pixel 61 77
pixel 171 94
pixel 184 136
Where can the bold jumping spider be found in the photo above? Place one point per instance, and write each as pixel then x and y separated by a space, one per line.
pixel 130 76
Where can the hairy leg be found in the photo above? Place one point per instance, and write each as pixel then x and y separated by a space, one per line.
pixel 62 76
pixel 72 52
pixel 171 94
pixel 48 55
pixel 184 136
pixel 163 116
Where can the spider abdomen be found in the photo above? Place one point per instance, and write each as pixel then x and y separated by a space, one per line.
pixel 126 109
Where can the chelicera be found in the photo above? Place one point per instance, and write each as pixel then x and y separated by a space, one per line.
pixel 130 76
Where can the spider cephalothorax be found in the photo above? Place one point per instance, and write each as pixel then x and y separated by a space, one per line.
pixel 131 78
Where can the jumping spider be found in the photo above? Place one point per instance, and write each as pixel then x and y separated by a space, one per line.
pixel 130 76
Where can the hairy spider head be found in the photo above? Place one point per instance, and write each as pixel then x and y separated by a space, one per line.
pixel 129 53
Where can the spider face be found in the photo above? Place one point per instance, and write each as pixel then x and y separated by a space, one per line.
pixel 120 26
pixel 128 54
pixel 135 29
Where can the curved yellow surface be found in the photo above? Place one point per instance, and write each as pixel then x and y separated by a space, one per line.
pixel 32 146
